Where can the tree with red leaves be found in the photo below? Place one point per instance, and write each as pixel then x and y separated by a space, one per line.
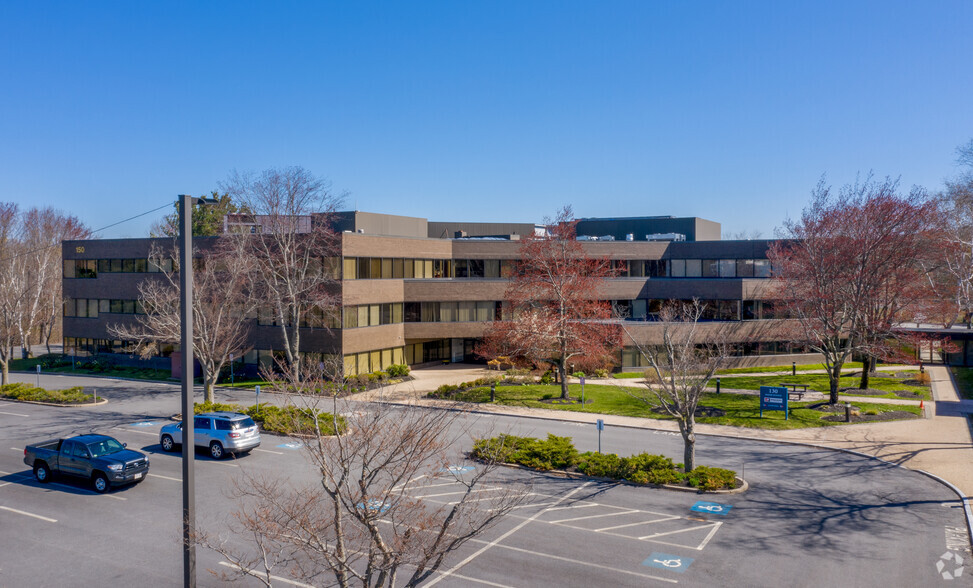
pixel 556 317
pixel 854 267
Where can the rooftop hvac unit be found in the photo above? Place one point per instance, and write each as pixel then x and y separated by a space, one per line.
pixel 665 237
pixel 630 237
pixel 607 238
pixel 587 238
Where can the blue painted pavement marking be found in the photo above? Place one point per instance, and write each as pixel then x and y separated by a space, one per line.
pixel 143 424
pixel 674 563
pixel 375 504
pixel 711 507
pixel 456 469
pixel 292 445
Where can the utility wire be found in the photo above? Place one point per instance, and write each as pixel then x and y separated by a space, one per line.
pixel 96 231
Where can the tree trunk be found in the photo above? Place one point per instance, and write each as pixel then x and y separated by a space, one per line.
pixel 688 431
pixel 4 373
pixel 564 380
pixel 867 363
pixel 834 377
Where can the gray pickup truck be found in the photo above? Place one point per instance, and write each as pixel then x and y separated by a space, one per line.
pixel 99 458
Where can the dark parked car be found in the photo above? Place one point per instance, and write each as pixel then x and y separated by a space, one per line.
pixel 99 458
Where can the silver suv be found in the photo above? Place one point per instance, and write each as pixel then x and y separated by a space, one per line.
pixel 221 432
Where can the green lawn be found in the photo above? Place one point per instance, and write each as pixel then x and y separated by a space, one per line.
pixel 742 410
pixel 785 368
pixel 964 381
pixel 820 383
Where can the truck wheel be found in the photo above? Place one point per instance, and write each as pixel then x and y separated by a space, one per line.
pixel 216 450
pixel 167 443
pixel 100 483
pixel 42 472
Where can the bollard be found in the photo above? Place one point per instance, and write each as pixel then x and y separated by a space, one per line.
pixel 847 412
pixel 493 391
pixel 717 385
pixel 793 368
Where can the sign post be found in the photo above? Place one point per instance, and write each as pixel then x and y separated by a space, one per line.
pixel 601 427
pixel 231 369
pixel 38 375
pixel 258 395
pixel 774 398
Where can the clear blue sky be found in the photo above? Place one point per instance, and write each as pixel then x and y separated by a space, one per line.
pixel 482 110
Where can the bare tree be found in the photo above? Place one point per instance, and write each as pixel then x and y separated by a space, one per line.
pixel 12 287
pixel 957 203
pixel 224 299
pixel 42 233
pixel 362 520
pixel 294 246
pixel 682 364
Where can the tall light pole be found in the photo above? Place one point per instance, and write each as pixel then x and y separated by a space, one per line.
pixel 188 396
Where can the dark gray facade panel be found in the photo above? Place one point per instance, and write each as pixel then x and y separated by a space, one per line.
pixel 639 227
pixel 449 230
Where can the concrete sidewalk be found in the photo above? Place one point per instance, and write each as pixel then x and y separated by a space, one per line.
pixel 940 444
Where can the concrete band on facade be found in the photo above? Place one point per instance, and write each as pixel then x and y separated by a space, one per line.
pixel 409 280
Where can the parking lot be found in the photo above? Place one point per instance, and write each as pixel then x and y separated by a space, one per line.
pixel 810 517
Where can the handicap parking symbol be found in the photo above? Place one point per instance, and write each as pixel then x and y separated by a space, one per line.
pixel 143 424
pixel 674 563
pixel 711 508
pixel 374 504
pixel 291 445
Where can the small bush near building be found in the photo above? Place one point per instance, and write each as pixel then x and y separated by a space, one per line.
pixel 286 420
pixel 26 392
pixel 398 370
pixel 560 453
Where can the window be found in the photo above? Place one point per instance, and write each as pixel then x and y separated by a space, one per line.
pixel 222 425
pixel 116 306
pixel 103 305
pixel 491 268
pixel 386 268
pixel 694 268
pixel 744 268
pixel 761 268
pixel 69 268
pixel 398 269
pixel 375 268
pixel 711 268
pixel 201 423
pixel 678 268
pixel 728 268
pixel 92 308
pixel 349 268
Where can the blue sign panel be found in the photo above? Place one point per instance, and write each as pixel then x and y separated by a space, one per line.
pixel 711 507
pixel 773 398
pixel 674 563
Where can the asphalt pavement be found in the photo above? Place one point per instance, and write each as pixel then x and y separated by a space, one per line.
pixel 811 516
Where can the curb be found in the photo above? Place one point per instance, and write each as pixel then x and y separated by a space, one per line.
pixel 965 501
pixel 101 401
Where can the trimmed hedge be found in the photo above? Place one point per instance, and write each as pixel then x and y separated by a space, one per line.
pixel 559 453
pixel 22 391
pixel 286 420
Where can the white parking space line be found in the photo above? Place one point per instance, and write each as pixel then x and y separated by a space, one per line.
pixel 28 514
pixel 92 492
pixel 139 432
pixel 662 520
pixel 165 477
pixel 274 578
pixel 611 514
pixel 586 505
pixel 268 451
pixel 496 541
pixel 14 414
pixel 576 561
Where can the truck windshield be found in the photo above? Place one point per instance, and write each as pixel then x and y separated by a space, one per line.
pixel 104 447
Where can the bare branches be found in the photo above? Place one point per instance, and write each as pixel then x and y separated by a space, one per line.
pixel 682 364
pixel 224 297
pixel 362 519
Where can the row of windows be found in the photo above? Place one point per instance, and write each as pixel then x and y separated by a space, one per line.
pixel 713 310
pixel 372 315
pixel 90 268
pixel 84 347
pixel 373 361
pixel 91 307
pixel 383 268
pixel 631 357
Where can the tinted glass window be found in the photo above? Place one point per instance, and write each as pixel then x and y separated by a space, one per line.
pixel 222 425
pixel 201 423
pixel 243 423
pixel 105 447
